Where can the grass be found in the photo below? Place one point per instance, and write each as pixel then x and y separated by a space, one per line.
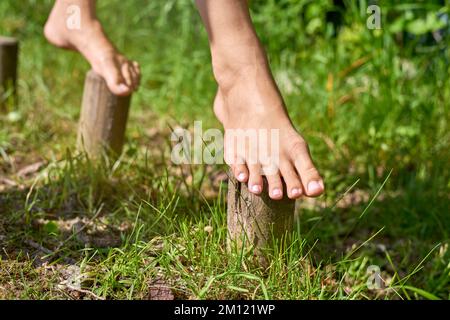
pixel 373 108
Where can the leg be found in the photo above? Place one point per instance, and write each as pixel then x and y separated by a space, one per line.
pixel 88 38
pixel 248 98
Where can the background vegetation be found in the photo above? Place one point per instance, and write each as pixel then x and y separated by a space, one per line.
pixel 373 104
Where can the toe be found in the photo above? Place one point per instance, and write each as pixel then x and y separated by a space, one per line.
pixel 137 71
pixel 275 186
pixel 255 181
pixel 126 74
pixel 134 78
pixel 115 82
pixel 237 165
pixel 311 180
pixel 119 88
pixel 136 75
pixel 292 180
pixel 110 67
pixel 240 172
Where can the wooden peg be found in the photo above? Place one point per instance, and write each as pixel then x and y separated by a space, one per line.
pixel 9 50
pixel 254 220
pixel 103 118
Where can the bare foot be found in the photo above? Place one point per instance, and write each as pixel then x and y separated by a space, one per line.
pixel 249 99
pixel 121 75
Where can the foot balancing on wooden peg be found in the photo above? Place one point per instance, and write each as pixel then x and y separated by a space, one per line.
pixel 261 193
pixel 108 85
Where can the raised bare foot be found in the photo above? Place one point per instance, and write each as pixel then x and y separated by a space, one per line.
pixel 121 75
pixel 248 99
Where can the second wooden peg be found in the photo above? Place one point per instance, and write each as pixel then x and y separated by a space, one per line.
pixel 103 118
pixel 9 50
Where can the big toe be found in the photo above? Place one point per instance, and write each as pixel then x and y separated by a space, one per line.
pixel 312 182
pixel 114 78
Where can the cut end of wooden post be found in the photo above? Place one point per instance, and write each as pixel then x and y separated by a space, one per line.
pixel 8 41
pixel 103 118
pixel 253 221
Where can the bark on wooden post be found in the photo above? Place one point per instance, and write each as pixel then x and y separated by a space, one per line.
pixel 9 50
pixel 103 118
pixel 254 220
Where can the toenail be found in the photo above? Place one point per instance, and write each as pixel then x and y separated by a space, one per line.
pixel 255 188
pixel 276 192
pixel 241 176
pixel 314 187
pixel 295 192
pixel 123 88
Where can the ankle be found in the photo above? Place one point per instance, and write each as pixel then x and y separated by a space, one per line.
pixel 56 29
pixel 91 39
pixel 234 61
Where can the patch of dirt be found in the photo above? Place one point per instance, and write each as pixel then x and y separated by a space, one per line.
pixel 19 168
pixel 16 277
pixel 96 233
pixel 30 169
pixel 159 289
